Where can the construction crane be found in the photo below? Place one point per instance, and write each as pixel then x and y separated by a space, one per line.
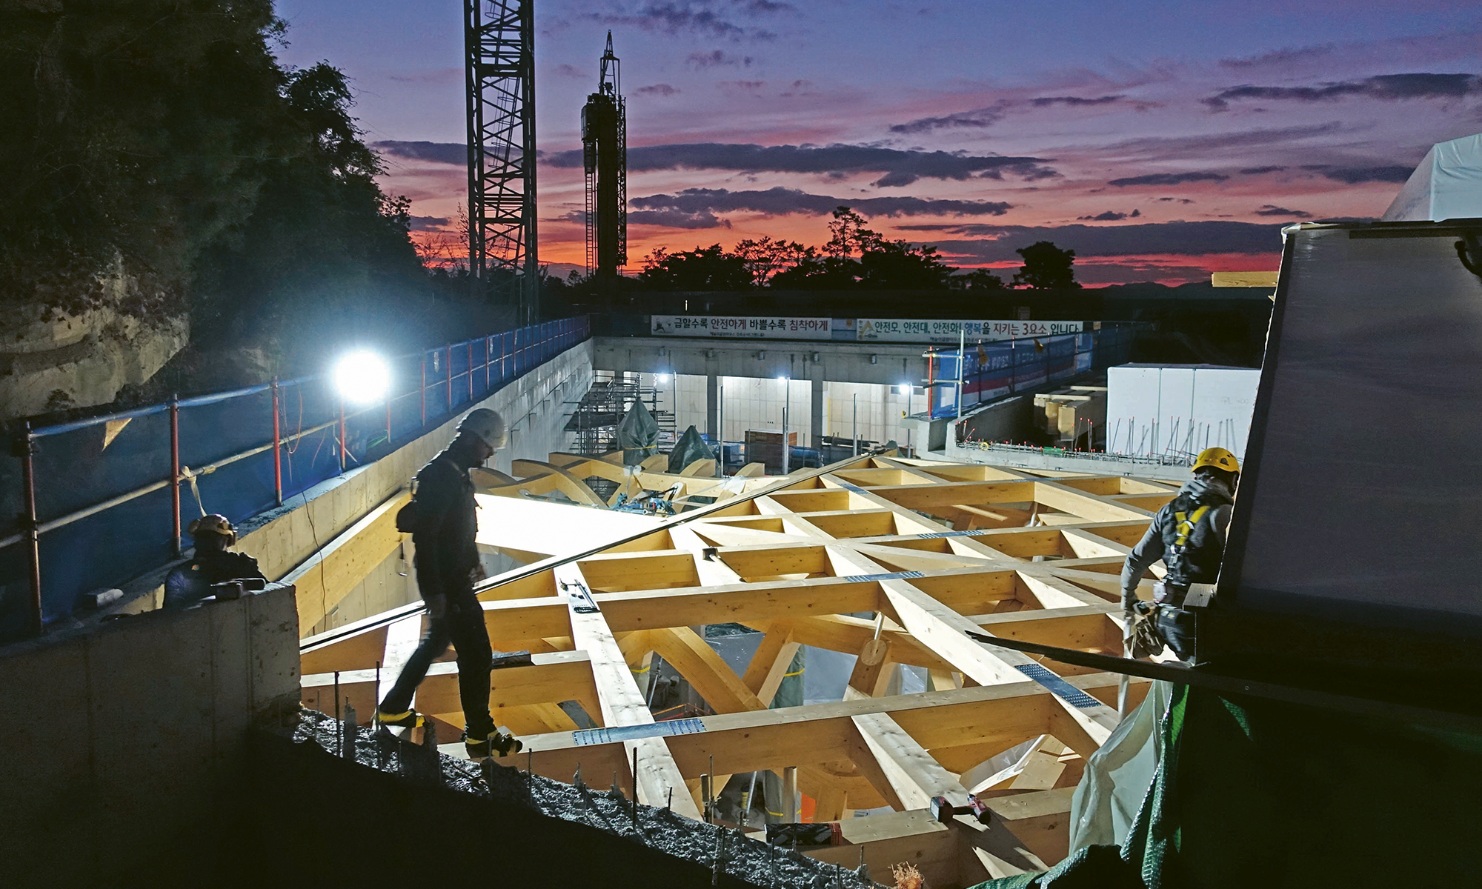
pixel 604 139
pixel 499 66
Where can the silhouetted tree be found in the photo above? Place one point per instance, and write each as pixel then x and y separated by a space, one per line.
pixel 325 254
pixel 850 234
pixel 707 268
pixel 1046 267
pixel 765 257
pixel 976 281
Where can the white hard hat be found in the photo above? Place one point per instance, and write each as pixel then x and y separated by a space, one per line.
pixel 487 425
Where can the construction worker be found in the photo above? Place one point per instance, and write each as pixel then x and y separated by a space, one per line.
pixel 213 563
pixel 1188 534
pixel 443 523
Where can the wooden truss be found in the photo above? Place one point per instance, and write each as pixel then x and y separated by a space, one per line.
pixel 889 559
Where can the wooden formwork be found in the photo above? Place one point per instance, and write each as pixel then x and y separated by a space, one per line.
pixel 889 559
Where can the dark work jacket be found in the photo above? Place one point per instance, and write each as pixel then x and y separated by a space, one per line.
pixel 191 582
pixel 1197 560
pixel 447 524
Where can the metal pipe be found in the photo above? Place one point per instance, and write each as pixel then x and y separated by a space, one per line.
pixel 854 445
pixel 961 363
pixel 424 390
pixel 470 370
pixel 786 403
pixel 448 374
pixel 175 471
pixel 343 449
pixel 31 532
pixel 277 447
pixel 106 418
pixel 486 364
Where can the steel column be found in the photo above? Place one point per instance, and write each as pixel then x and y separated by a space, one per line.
pixel 277 447
pixel 32 526
pixel 175 472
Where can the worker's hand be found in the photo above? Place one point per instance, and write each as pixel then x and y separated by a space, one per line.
pixel 476 573
pixel 437 606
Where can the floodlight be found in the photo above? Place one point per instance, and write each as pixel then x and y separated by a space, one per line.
pixel 661 379
pixel 361 377
pixel 903 389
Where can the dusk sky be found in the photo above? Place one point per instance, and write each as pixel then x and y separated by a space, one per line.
pixel 1160 141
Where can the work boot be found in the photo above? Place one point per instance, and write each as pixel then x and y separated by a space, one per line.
pixel 496 743
pixel 404 719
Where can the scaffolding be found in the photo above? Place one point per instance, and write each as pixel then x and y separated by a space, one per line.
pixel 593 424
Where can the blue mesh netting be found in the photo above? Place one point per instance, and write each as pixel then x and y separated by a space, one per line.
pixel 81 467
pixel 78 468
pixel 104 550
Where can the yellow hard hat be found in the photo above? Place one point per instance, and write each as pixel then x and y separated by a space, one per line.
pixel 1216 458
pixel 214 524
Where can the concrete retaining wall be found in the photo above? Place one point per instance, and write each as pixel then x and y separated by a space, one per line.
pixel 125 737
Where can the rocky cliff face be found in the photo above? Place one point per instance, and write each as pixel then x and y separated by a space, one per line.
pixel 51 360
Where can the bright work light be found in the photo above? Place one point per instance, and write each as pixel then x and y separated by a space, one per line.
pixel 361 377
pixel 903 389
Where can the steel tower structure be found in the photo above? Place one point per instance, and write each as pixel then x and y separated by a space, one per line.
pixel 604 139
pixel 499 69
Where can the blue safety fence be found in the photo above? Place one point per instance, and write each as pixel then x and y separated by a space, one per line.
pixel 997 369
pixel 109 507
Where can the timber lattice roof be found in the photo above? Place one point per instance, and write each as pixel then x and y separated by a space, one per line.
pixel 889 559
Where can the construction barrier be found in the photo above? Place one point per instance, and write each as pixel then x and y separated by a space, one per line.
pixel 991 370
pixel 107 499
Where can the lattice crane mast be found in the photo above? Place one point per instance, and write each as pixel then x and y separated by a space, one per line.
pixel 604 137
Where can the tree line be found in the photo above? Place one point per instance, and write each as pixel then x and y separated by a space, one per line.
pixel 855 257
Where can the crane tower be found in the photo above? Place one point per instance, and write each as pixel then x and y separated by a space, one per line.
pixel 499 68
pixel 604 139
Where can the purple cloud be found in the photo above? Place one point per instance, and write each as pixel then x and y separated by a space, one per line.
pixel 1110 216
pixel 1357 174
pixel 997 243
pixel 1273 210
pixel 790 201
pixel 716 58
pixel 433 152
pixel 696 17
pixel 1167 179
pixel 1385 87
pixel 896 167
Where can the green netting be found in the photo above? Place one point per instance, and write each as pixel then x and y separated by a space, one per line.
pixel 1252 792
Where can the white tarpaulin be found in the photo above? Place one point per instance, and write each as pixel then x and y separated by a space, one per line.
pixel 1446 185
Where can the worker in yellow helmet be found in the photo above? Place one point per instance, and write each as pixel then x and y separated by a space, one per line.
pixel 1188 534
pixel 214 566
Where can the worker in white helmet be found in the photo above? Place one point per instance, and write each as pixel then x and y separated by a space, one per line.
pixel 443 522
pixel 1188 534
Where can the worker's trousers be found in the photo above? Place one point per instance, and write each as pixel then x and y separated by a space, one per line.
pixel 462 627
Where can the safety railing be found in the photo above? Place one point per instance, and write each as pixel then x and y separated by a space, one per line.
pixel 103 500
